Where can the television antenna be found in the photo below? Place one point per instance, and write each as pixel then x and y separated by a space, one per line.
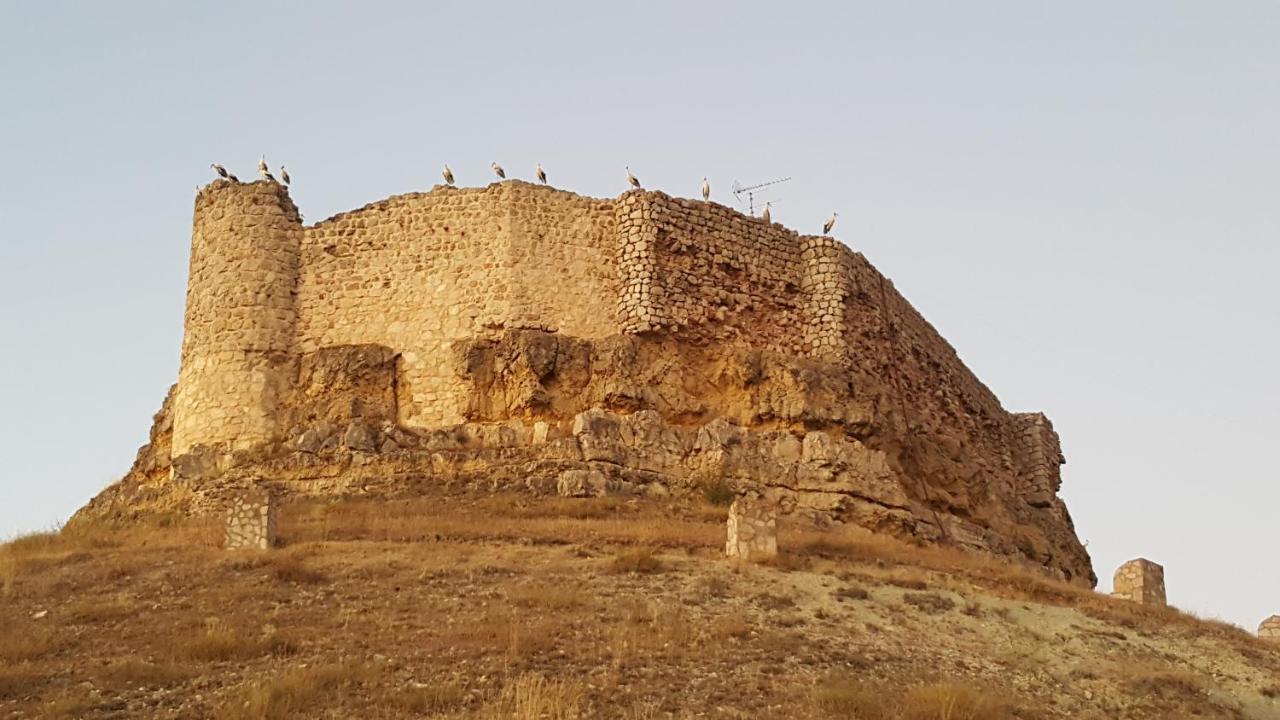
pixel 750 191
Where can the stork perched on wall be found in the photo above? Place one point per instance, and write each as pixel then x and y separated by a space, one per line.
pixel 542 174
pixel 263 170
pixel 632 179
pixel 831 222
pixel 706 190
pixel 497 170
pixel 222 172
pixel 448 175
pixel 284 175
pixel 765 214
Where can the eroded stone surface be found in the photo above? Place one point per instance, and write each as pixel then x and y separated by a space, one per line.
pixel 1270 628
pixel 1141 581
pixel 752 530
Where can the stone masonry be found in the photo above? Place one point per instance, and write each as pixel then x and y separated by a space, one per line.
pixel 251 521
pixel 1270 628
pixel 752 530
pixel 518 333
pixel 1141 581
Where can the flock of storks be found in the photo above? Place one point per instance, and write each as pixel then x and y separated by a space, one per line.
pixel 265 173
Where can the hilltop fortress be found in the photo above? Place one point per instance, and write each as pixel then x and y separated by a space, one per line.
pixel 521 337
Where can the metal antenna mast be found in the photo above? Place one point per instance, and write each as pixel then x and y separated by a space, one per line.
pixel 750 191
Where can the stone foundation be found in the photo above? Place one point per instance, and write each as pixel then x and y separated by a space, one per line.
pixel 251 522
pixel 1269 629
pixel 752 530
pixel 1141 581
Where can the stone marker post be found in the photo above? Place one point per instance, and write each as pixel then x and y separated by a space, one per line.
pixel 251 521
pixel 1141 581
pixel 752 530
pixel 1270 628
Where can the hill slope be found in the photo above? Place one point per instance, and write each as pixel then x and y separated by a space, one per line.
pixel 499 606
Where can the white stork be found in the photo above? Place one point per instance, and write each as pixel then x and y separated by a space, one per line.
pixel 831 222
pixel 448 175
pixel 632 179
pixel 706 190
pixel 263 170
pixel 542 174
pixel 765 215
pixel 497 170
pixel 222 172
pixel 284 175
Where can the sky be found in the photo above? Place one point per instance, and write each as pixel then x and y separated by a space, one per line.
pixel 1083 197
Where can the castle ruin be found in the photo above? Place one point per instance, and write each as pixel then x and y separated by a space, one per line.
pixel 507 335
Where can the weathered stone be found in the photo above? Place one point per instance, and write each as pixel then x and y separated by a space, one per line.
pixel 1269 629
pixel 358 436
pixel 1141 581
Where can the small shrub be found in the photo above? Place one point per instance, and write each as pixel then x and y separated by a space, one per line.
pixel 851 592
pixel 290 569
pixel 640 561
pixel 931 603
pixel 220 642
pixel 769 601
pixel 718 492
pixel 17 679
pixel 556 597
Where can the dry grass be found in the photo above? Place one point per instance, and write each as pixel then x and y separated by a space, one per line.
pixel 292 569
pixel 298 692
pixel 220 642
pixel 533 697
pixel 562 596
pixel 16 679
pixel 857 700
pixel 436 697
pixel 641 561
pixel 141 672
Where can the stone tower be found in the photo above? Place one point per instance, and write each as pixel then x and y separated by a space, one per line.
pixel 241 317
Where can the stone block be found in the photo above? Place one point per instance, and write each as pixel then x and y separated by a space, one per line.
pixel 1141 581
pixel 752 530
pixel 251 521
pixel 1269 629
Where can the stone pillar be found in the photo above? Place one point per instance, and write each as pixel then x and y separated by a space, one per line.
pixel 752 530
pixel 1269 629
pixel 251 521
pixel 1141 581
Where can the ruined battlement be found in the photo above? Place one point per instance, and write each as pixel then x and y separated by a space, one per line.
pixel 525 337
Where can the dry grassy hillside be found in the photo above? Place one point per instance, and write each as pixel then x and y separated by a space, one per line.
pixel 507 607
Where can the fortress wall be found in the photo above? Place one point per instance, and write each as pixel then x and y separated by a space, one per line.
pixel 240 318
pixel 717 274
pixel 419 272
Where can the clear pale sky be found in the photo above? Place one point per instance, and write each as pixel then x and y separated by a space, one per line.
pixel 1083 197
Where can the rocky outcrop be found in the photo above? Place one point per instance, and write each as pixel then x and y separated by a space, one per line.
pixel 548 413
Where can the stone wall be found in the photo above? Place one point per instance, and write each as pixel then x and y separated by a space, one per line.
pixel 420 272
pixel 1270 628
